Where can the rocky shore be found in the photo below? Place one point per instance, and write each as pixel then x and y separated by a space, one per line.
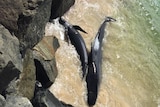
pixel 27 56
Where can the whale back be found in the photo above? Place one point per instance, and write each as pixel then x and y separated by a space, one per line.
pixel 78 42
pixel 93 77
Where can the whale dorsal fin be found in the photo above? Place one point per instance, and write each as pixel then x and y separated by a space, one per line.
pixel 79 28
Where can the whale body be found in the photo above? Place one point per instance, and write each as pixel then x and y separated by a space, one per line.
pixel 78 42
pixel 93 76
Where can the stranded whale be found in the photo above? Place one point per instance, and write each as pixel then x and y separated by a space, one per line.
pixel 78 42
pixel 94 64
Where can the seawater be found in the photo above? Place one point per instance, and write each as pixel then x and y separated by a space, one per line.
pixel 131 53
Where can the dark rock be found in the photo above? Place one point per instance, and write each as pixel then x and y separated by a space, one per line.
pixel 7 75
pixel 59 7
pixel 41 75
pixel 44 98
pixel 44 55
pixel 31 27
pixel 26 83
pixel 9 12
pixel 27 18
pixel 55 44
pixel 11 88
pixel 17 101
pixel 2 101
pixel 10 58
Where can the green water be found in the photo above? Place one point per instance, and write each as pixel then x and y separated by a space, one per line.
pixel 137 51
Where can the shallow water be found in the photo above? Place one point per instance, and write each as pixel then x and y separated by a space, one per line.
pixel 131 53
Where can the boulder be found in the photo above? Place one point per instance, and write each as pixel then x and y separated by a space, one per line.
pixel 59 7
pixel 31 24
pixel 17 101
pixel 9 13
pixel 44 57
pixel 27 18
pixel 11 10
pixel 44 98
pixel 20 64
pixel 10 58
pixel 2 101
pixel 26 82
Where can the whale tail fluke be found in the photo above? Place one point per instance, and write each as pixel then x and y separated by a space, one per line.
pixel 110 19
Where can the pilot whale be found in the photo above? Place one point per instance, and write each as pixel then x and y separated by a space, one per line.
pixel 78 42
pixel 93 75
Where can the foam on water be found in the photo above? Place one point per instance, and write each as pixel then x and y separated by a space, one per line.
pixel 69 76
pixel 69 69
pixel 55 28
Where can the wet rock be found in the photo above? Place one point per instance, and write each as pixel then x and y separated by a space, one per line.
pixel 17 101
pixel 44 57
pixel 59 7
pixel 26 82
pixel 10 58
pixel 2 101
pixel 44 98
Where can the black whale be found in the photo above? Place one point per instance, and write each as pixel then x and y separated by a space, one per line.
pixel 94 64
pixel 78 42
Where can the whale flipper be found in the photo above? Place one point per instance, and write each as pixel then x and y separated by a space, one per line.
pixel 79 28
